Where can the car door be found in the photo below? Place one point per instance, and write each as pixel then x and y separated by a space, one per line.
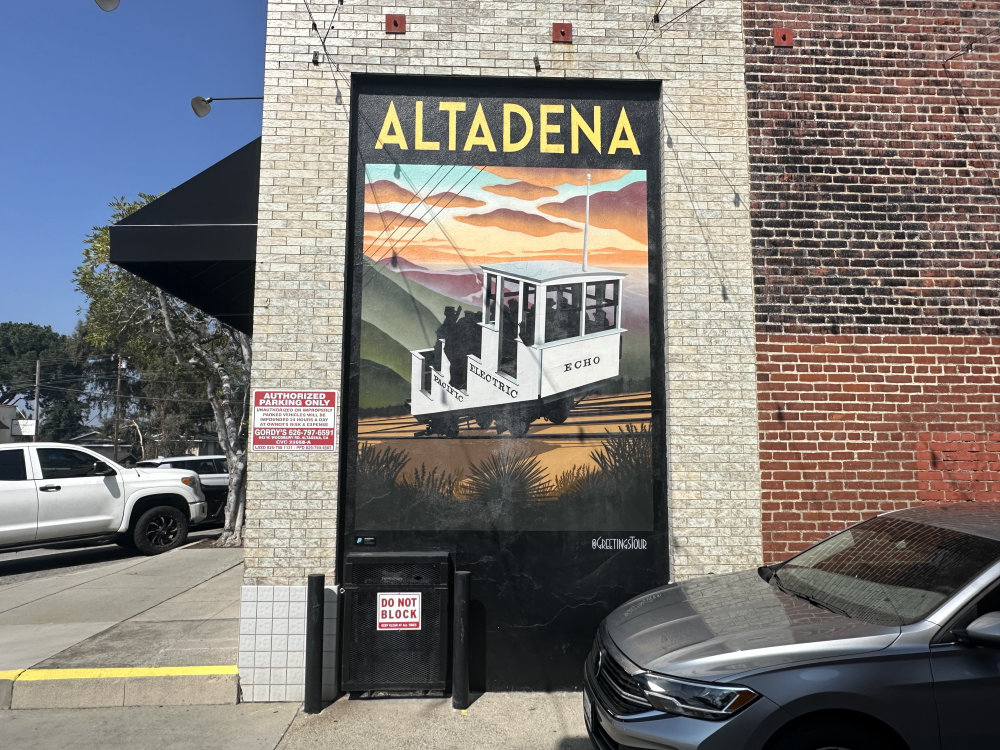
pixel 18 499
pixel 72 500
pixel 967 682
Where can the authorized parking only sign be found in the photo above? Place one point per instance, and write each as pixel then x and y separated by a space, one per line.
pixel 398 611
pixel 285 420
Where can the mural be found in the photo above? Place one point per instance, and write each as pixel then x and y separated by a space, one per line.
pixel 504 341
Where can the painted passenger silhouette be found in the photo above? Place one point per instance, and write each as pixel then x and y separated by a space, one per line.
pixel 446 331
pixel 467 341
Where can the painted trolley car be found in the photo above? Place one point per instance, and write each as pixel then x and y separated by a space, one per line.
pixel 548 333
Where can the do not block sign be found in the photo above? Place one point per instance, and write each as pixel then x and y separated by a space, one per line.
pixel 398 611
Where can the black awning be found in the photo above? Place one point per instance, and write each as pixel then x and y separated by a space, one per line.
pixel 199 241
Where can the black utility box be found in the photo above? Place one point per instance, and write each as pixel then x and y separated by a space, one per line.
pixel 396 622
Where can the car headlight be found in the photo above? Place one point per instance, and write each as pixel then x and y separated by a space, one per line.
pixel 696 699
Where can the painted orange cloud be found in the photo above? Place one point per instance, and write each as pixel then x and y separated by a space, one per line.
pixel 453 200
pixel 522 190
pixel 387 221
pixel 517 221
pixel 554 176
pixel 387 191
pixel 624 210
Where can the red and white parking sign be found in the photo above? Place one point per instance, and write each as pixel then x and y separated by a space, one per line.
pixel 398 611
pixel 285 420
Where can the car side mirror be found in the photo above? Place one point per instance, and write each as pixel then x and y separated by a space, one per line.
pixel 101 469
pixel 983 631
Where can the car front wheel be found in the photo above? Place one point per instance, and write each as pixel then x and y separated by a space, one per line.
pixel 834 735
pixel 160 529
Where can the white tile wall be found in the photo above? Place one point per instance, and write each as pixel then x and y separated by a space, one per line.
pixel 272 650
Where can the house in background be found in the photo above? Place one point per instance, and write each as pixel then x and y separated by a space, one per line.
pixel 11 423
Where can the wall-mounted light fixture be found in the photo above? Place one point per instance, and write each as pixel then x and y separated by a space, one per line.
pixel 107 5
pixel 203 105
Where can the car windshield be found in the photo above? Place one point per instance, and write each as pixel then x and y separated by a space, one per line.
pixel 887 571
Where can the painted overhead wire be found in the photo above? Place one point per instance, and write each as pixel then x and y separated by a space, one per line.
pixel 663 27
pixel 337 72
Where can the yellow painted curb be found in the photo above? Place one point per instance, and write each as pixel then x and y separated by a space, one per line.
pixel 10 674
pixel 33 675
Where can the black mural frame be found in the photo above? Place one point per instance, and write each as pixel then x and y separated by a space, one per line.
pixel 537 596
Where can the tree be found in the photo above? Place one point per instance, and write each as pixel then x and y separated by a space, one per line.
pixel 158 333
pixel 62 369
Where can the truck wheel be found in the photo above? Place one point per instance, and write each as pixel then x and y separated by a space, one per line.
pixel 160 529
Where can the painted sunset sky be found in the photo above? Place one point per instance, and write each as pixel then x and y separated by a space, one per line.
pixel 422 213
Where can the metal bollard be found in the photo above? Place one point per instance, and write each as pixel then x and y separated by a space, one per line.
pixel 315 593
pixel 460 642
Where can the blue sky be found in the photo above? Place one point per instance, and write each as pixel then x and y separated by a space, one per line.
pixel 96 105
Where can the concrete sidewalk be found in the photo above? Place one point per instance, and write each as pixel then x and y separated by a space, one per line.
pixel 523 721
pixel 148 646
pixel 158 630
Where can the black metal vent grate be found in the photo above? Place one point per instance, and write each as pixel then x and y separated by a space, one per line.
pixel 389 658
pixel 405 574
pixel 395 660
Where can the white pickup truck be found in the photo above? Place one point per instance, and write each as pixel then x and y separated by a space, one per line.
pixel 54 492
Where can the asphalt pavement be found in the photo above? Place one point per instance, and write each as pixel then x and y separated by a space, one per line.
pixel 140 652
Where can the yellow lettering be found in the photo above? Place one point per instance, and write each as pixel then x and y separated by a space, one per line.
pixel 392 130
pixel 479 132
pixel 516 109
pixel 418 135
pixel 623 137
pixel 577 123
pixel 544 128
pixel 452 108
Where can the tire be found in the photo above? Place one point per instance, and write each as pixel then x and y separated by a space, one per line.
pixel 826 734
pixel 559 411
pixel 125 541
pixel 160 529
pixel 518 425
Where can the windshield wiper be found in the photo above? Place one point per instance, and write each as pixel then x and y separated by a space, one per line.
pixel 798 594
pixel 766 572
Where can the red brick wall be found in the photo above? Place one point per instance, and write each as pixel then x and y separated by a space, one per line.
pixel 854 425
pixel 875 214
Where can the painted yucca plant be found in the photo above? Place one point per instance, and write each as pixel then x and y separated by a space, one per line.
pixel 380 462
pixel 429 486
pixel 626 454
pixel 509 474
pixel 617 492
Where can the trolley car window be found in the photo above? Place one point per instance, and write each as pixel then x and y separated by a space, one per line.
pixel 528 316
pixel 509 315
pixel 562 311
pixel 602 306
pixel 491 299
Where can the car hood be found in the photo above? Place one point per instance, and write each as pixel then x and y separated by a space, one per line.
pixel 158 477
pixel 718 627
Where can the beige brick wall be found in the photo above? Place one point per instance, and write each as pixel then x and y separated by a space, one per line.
pixel 299 305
